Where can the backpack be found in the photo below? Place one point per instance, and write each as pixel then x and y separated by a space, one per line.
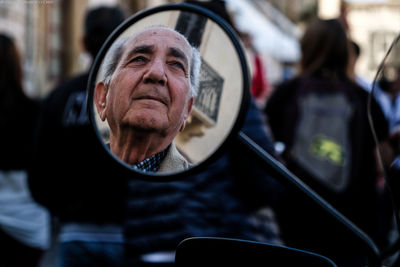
pixel 321 143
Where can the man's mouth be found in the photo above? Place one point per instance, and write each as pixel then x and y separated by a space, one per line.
pixel 154 98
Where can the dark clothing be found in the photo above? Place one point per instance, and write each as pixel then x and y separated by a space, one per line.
pixel 71 174
pixel 17 127
pixel 219 201
pixel 91 254
pixel 303 224
pixel 16 254
pixel 18 120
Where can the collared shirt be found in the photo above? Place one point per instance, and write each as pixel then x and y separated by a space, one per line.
pixel 153 163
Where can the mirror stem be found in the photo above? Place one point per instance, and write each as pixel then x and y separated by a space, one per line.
pixel 282 173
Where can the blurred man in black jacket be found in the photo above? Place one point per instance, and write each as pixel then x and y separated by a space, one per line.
pixel 71 174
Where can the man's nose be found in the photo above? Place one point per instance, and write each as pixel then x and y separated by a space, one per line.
pixel 156 73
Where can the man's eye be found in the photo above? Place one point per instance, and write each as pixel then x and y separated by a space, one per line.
pixel 138 59
pixel 178 65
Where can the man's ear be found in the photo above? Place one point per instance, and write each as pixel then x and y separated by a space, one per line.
pixel 100 99
pixel 187 113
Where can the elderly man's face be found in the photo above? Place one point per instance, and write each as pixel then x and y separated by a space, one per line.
pixel 149 90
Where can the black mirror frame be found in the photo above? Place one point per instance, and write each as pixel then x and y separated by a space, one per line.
pixel 232 251
pixel 391 173
pixel 245 94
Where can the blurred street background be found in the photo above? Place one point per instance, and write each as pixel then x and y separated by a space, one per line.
pixel 48 34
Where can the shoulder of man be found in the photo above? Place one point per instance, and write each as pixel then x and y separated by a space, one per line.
pixel 174 161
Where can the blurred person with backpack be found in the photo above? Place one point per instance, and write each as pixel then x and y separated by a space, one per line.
pixel 321 117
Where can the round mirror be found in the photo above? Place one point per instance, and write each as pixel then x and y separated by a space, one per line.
pixel 143 98
pixel 386 87
pixel 386 92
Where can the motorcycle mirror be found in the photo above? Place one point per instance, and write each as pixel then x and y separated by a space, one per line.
pixel 210 251
pixel 386 88
pixel 222 99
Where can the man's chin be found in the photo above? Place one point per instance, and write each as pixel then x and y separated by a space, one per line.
pixel 146 124
pixel 145 128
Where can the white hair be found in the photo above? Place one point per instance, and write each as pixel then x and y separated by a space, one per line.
pixel 115 52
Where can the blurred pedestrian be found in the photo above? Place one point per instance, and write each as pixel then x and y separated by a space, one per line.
pixel 259 82
pixel 72 175
pixel 321 117
pixel 24 225
pixel 386 88
pixel 387 93
pixel 354 55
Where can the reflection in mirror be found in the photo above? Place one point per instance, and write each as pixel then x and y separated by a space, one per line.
pixel 386 92
pixel 219 97
pixel 386 85
pixel 208 251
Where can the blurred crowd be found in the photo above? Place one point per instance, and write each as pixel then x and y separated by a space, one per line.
pixel 60 188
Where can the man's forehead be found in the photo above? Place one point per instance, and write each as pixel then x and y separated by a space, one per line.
pixel 161 36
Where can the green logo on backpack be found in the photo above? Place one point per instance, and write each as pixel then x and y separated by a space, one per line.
pixel 327 149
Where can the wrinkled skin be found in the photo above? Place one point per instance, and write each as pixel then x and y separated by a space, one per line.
pixel 148 98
